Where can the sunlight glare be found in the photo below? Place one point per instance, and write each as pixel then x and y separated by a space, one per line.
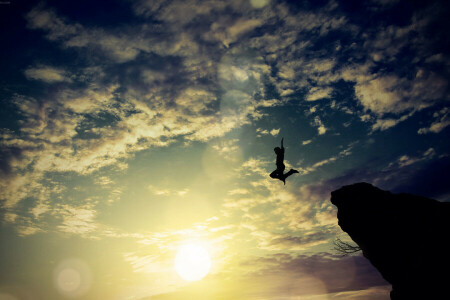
pixel 192 262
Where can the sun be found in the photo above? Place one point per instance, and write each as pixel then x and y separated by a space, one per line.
pixel 192 262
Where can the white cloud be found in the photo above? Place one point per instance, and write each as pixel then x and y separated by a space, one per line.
pixel 259 3
pixel 47 74
pixel 346 152
pixel 47 19
pixel 262 131
pixel 442 121
pixel 406 160
pixel 148 263
pixel 320 127
pixel 275 132
pixel 157 109
pixel 280 220
pixel 317 93
pixel 118 46
pixel 158 191
pixel 239 191
pixel 77 220
pixel 382 95
pixel 383 124
pixel 227 34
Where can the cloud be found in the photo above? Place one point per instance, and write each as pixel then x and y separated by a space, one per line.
pixel 421 174
pixel 195 73
pixel 300 218
pixel 85 127
pixel 77 220
pixel 387 94
pixel 9 156
pixel 321 129
pixel 239 191
pixel 372 293
pixel 178 13
pixel 283 242
pixel 317 93
pixel 442 121
pixel 48 20
pixel 379 94
pixel 343 153
pixel 227 33
pixel 104 180
pixel 351 268
pixel 105 130
pixel 280 220
pixel 119 46
pixel 388 97
pixel 167 192
pixel 406 160
pixel 198 83
pixel 384 124
pixel 259 3
pixel 148 263
pixel 273 132
pixel 47 74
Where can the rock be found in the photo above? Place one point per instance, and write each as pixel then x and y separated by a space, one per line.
pixel 405 237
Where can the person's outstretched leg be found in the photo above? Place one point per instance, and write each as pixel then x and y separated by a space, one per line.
pixel 291 171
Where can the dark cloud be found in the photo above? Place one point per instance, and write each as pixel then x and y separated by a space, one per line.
pixel 7 156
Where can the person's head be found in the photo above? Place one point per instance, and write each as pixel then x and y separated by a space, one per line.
pixel 273 175
pixel 277 150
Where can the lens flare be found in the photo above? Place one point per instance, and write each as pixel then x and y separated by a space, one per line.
pixel 72 278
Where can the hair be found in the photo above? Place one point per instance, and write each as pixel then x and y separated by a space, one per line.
pixel 277 150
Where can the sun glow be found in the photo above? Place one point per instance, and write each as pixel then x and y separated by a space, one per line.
pixel 192 262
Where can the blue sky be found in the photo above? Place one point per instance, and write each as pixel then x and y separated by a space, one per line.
pixel 131 128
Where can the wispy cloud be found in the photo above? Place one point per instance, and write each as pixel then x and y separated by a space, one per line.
pixel 47 74
pixel 341 154
pixel 406 160
pixel 442 121
pixel 273 132
pixel 158 191
pixel 77 220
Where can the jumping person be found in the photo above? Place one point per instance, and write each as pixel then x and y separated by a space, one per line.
pixel 278 173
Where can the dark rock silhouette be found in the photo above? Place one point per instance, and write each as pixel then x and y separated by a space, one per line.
pixel 405 237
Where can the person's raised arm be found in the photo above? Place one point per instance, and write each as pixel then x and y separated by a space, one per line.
pixel 282 143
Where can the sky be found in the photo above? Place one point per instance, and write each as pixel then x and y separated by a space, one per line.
pixel 130 128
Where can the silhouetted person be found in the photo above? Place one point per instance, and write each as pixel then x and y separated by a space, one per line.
pixel 278 173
